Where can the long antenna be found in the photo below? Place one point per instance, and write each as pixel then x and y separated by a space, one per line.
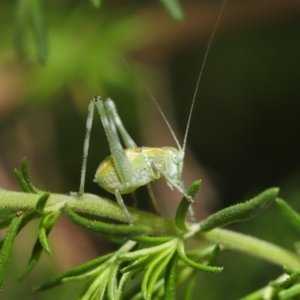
pixel 154 101
pixel 200 76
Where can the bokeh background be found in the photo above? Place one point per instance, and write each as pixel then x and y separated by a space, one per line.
pixel 244 133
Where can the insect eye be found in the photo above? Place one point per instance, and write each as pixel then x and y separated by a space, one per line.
pixel 174 158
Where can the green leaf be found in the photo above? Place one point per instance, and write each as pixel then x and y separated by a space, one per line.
pixel 189 291
pixel 152 239
pixel 147 251
pixel 139 263
pixel 22 182
pixel 112 285
pixel 39 30
pixel 27 217
pixel 174 8
pixel 201 267
pixel 289 293
pixel 292 216
pixel 123 280
pixel 155 275
pixel 20 27
pixel 84 268
pixel 288 282
pixel 184 205
pixel 7 211
pixel 26 175
pixel 214 254
pixel 151 273
pixel 105 228
pixel 46 225
pixel 6 221
pixel 241 211
pixel 36 254
pixel 11 233
pixel 170 278
pixel 40 205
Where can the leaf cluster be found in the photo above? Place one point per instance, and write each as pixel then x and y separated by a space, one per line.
pixel 160 263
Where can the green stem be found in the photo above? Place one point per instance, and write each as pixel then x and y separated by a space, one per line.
pixel 88 204
pixel 252 246
pixel 97 206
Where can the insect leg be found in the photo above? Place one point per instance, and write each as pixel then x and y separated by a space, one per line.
pixel 123 206
pixel 171 181
pixel 89 123
pixel 116 121
pixel 119 157
pixel 113 115
pixel 178 187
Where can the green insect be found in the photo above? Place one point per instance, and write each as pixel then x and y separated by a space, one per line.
pixel 127 169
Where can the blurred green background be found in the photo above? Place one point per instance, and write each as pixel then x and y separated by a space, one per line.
pixel 244 134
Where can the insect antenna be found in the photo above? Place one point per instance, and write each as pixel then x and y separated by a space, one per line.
pixel 154 101
pixel 200 75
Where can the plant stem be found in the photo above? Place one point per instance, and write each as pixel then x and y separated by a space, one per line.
pixel 252 246
pixel 88 204
pixel 102 207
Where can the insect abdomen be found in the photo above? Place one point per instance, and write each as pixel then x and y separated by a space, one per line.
pixel 140 161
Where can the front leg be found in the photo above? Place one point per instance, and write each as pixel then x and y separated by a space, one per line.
pixel 171 181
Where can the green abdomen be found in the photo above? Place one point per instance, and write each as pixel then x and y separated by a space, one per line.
pixel 142 172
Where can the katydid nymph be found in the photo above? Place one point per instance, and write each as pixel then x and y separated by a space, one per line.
pixel 127 169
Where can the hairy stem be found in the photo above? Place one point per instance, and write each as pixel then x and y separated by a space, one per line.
pixel 252 246
pixel 102 207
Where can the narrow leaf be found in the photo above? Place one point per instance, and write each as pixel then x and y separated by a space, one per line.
pixel 189 291
pixel 201 267
pixel 152 239
pixel 22 183
pixel 21 14
pixel 170 278
pixel 241 211
pixel 174 8
pixel 27 217
pixel 112 285
pixel 105 228
pixel 146 292
pixel 155 275
pixel 84 268
pixel 289 293
pixel 45 227
pixel 40 205
pixel 6 221
pixel 184 205
pixel 140 263
pixel 7 246
pixel 214 254
pixel 147 251
pixel 26 175
pixel 292 216
pixel 38 248
pixel 123 280
pixel 288 282
pixel 39 30
pixel 35 256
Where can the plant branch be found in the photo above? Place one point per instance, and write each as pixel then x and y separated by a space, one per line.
pixel 252 246
pixel 102 207
pixel 88 204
